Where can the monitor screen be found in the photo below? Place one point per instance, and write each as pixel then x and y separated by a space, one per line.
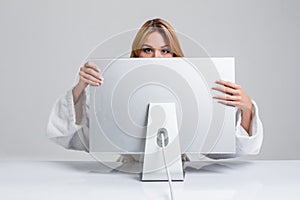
pixel 119 107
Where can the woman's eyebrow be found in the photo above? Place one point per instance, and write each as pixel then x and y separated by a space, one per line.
pixel 164 46
pixel 147 45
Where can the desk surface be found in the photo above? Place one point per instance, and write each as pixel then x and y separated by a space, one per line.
pixel 204 180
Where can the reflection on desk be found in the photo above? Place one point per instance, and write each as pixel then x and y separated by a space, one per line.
pixel 230 179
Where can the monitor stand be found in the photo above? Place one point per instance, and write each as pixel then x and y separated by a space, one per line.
pixel 162 118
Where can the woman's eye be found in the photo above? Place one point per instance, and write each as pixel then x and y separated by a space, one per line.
pixel 165 51
pixel 147 50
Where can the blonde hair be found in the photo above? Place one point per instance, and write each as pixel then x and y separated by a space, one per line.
pixel 164 28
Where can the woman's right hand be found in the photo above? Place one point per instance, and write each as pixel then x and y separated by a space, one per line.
pixel 89 75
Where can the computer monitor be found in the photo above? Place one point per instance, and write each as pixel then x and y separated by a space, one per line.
pixel 119 107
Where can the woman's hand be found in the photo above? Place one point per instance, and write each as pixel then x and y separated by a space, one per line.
pixel 89 75
pixel 235 96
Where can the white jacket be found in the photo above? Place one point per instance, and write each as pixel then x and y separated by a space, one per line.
pixel 68 126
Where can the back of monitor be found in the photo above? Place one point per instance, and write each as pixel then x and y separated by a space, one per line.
pixel 118 108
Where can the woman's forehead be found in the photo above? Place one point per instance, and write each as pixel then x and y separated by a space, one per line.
pixel 155 39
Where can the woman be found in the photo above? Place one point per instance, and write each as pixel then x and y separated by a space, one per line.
pixel 68 123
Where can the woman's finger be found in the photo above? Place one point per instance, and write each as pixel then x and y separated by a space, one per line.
pixel 228 84
pixel 91 71
pixel 230 103
pixel 226 90
pixel 90 82
pixel 91 65
pixel 227 97
pixel 90 79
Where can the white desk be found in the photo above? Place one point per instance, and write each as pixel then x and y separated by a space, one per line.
pixel 84 181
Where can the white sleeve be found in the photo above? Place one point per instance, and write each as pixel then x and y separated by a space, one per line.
pixel 246 144
pixel 68 123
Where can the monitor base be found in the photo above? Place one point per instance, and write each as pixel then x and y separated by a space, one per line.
pixel 162 119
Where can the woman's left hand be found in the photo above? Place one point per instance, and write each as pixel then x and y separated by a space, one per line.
pixel 235 96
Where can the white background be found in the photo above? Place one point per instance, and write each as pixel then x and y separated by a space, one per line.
pixel 43 44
